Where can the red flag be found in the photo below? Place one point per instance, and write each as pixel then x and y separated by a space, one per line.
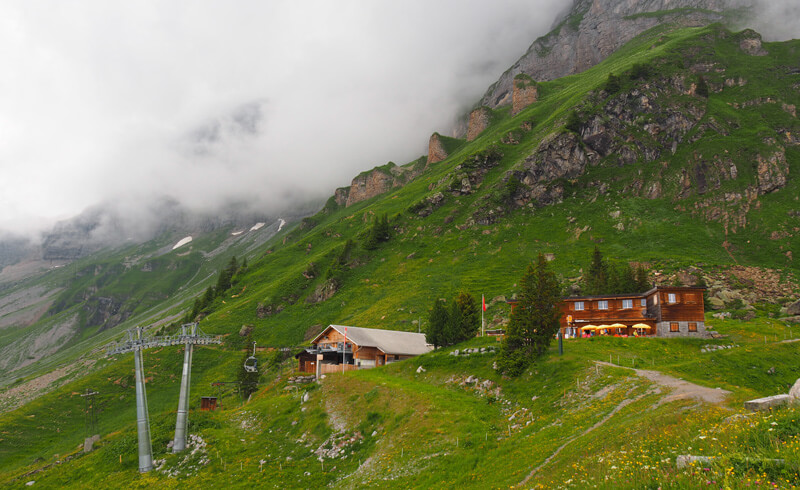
pixel 483 301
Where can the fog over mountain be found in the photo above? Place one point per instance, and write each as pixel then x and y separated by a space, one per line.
pixel 258 103
pixel 255 102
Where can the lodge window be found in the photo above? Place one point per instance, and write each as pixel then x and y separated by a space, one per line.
pixel 643 302
pixel 671 298
pixel 673 327
pixel 690 298
pixel 692 327
pixel 602 305
pixel 579 306
pixel 627 304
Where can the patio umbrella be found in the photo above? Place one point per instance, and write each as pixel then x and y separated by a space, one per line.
pixel 588 327
pixel 642 326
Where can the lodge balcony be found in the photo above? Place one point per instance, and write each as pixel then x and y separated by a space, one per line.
pixel 339 347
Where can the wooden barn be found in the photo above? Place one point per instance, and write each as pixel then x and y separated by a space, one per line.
pixel 359 348
pixel 664 311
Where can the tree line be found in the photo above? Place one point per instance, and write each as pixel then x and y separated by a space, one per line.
pixel 604 278
pixel 225 280
pixel 535 319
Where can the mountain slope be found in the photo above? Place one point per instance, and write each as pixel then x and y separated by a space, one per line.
pixel 647 160
pixel 594 29
pixel 648 166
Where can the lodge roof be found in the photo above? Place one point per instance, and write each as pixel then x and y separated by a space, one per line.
pixel 628 295
pixel 388 341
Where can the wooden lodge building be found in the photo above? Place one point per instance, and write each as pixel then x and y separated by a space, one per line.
pixel 663 311
pixel 363 348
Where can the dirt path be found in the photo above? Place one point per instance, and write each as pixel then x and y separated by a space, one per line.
pixel 605 419
pixel 680 389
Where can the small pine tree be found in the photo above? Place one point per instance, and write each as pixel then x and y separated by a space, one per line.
pixel 702 87
pixel 622 280
pixel 380 232
pixel 612 85
pixel 574 122
pixel 642 279
pixel 226 275
pixel 596 278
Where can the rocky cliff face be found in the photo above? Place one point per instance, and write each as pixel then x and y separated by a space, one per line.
pixel 374 182
pixel 592 30
pixel 479 120
pixel 436 150
pixel 525 93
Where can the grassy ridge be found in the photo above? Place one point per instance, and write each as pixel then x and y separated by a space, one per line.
pixel 443 252
pixel 396 426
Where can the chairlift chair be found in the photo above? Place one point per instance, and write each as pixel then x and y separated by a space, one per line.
pixel 251 363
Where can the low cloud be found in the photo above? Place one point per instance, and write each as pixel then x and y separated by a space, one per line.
pixel 777 20
pixel 259 103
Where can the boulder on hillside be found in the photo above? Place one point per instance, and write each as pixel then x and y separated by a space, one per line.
pixel 716 303
pixel 793 309
pixel 794 393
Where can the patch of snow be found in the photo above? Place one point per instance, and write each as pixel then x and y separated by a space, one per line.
pixel 282 222
pixel 257 226
pixel 237 233
pixel 183 242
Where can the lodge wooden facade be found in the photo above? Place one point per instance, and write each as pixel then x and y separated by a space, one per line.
pixel 664 311
pixel 362 348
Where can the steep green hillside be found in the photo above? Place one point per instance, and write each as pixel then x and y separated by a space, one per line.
pixel 568 422
pixel 679 151
pixel 84 304
pixel 651 172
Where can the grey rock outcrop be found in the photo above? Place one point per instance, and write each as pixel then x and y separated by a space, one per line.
pixel 591 31
pixel 793 309
pixel 773 171
pixel 323 292
pixel 794 393
pixel 766 403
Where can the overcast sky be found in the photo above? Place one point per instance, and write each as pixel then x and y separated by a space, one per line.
pixel 261 101
pixel 257 100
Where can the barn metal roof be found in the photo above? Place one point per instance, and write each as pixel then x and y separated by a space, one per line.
pixel 388 341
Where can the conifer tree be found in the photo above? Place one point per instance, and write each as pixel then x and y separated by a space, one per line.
pixel 642 279
pixel 596 279
pixel 438 325
pixel 535 319
pixel 469 316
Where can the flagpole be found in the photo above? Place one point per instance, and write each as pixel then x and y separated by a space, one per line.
pixel 344 349
pixel 483 308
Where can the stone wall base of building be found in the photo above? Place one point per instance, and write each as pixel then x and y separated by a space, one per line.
pixel 664 329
